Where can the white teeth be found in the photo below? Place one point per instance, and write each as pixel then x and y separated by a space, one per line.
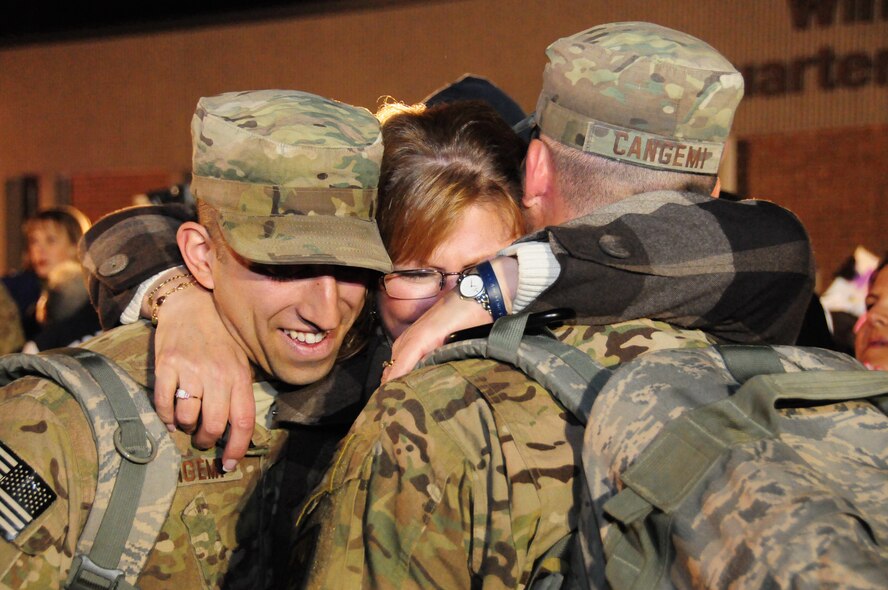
pixel 307 337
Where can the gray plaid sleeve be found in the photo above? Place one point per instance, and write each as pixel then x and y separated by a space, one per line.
pixel 126 247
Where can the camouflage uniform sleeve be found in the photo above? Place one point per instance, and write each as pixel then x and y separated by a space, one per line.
pixel 125 248
pixel 384 508
pixel 439 485
pixel 44 429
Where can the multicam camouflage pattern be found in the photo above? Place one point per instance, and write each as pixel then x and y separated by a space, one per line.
pixel 217 529
pixel 284 138
pixel 640 93
pixel 12 336
pixel 456 476
pixel 293 175
pixel 157 489
pixel 801 506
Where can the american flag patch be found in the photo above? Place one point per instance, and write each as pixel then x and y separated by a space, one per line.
pixel 23 494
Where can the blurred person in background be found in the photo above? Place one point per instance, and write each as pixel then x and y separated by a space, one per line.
pixel 64 312
pixel 51 236
pixel 844 299
pixel 871 330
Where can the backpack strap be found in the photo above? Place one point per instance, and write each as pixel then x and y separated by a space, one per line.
pixel 745 361
pixel 569 374
pixel 138 463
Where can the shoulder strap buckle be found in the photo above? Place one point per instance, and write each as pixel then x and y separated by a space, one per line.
pixel 86 575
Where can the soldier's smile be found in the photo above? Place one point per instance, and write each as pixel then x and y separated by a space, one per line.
pixel 307 337
pixel 311 345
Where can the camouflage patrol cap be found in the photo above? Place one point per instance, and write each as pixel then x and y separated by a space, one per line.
pixel 293 176
pixel 640 93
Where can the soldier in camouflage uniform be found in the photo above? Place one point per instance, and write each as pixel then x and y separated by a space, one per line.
pixel 465 474
pixel 286 185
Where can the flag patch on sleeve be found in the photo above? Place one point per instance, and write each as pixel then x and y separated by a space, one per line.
pixel 23 494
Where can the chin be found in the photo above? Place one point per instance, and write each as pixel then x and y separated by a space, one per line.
pixel 306 374
pixel 878 360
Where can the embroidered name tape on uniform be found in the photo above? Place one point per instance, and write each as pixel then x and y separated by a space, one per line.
pixel 204 470
pixel 23 494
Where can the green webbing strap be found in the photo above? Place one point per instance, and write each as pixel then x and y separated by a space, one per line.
pixel 571 375
pixel 638 565
pixel 100 569
pixel 745 361
pixel 575 381
pixel 505 337
pixel 552 565
pixel 136 449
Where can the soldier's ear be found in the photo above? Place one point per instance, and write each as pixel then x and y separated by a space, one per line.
pixel 198 251
pixel 539 184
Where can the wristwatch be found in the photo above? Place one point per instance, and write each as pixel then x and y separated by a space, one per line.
pixel 481 285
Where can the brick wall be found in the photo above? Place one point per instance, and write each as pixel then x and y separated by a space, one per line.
pixel 836 181
pixel 99 193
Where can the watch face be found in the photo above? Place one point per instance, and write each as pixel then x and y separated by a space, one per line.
pixel 471 286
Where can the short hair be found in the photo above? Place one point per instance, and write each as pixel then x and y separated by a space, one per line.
pixel 208 216
pixel 437 162
pixel 72 220
pixel 588 181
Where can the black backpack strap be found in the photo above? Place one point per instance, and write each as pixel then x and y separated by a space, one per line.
pixel 130 439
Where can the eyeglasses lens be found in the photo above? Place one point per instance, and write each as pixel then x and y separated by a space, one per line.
pixel 413 284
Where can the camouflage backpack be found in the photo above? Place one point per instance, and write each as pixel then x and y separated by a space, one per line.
pixel 740 466
pixel 138 464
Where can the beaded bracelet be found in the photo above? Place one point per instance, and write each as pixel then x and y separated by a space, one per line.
pixel 164 283
pixel 155 307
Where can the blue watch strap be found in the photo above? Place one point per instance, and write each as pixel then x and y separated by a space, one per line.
pixel 494 293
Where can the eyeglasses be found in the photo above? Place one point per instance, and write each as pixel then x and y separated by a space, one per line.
pixel 415 283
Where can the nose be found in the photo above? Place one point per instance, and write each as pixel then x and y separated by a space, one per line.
pixel 449 282
pixel 320 306
pixel 877 317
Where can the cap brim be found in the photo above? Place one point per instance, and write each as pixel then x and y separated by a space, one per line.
pixel 306 239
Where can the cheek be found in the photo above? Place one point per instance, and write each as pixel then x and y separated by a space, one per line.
pixel 860 336
pixel 398 314
pixel 353 296
pixel 59 252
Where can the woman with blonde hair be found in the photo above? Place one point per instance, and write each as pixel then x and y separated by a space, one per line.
pixel 51 236
pixel 448 190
